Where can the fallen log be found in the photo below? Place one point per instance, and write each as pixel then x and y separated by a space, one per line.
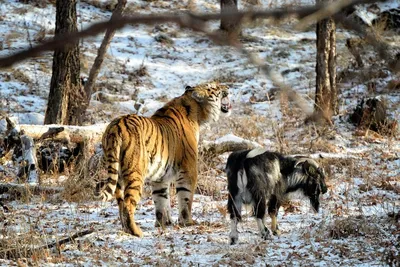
pixel 227 143
pixel 76 134
pixel 26 189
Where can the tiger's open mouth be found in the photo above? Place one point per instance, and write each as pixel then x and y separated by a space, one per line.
pixel 225 105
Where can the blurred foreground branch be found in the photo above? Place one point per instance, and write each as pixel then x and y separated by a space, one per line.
pixel 187 20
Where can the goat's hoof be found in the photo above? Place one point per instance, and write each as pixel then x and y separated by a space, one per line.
pixel 266 236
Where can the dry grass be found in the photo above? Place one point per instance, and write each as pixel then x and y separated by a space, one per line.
pixel 18 245
pixel 211 179
pixel 11 37
pixel 244 122
pixel 354 227
pixel 81 184
pixel 20 75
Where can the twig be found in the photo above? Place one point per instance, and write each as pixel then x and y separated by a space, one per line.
pixel 16 253
pixel 68 239
pixel 94 71
pixel 51 132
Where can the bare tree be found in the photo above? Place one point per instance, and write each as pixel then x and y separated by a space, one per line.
pixel 326 102
pixel 94 71
pixel 65 87
pixel 229 24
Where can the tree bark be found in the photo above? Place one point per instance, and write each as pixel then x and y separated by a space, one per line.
pixel 65 87
pixel 94 71
pixel 326 102
pixel 230 25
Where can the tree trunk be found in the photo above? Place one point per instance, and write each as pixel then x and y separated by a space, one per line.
pixel 230 25
pixel 65 87
pixel 326 102
pixel 94 71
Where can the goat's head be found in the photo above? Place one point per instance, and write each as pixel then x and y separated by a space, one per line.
pixel 314 180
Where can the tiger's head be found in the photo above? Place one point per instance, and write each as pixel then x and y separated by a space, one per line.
pixel 213 99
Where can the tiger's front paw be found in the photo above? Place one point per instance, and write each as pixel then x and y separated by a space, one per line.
pixel 132 228
pixel 265 234
pixel 136 231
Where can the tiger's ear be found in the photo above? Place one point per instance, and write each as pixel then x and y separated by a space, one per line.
pixel 188 88
pixel 197 96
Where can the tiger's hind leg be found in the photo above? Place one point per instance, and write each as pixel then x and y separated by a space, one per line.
pixel 132 196
pixel 162 203
pixel 185 186
pixel 119 195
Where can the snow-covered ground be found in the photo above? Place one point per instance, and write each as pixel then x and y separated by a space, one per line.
pixel 354 226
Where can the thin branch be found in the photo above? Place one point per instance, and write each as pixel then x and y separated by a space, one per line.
pixel 94 71
pixel 324 12
pixel 16 253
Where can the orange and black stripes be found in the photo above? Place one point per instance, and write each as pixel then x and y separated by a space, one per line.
pixel 162 148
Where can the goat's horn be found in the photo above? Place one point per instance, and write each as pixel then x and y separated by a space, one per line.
pixel 300 161
pixel 309 160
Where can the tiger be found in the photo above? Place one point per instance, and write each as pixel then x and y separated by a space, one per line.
pixel 164 148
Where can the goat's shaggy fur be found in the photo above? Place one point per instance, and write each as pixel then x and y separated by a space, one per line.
pixel 259 177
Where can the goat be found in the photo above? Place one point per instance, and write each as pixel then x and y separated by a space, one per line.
pixel 258 177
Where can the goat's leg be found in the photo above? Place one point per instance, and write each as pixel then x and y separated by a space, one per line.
pixel 235 211
pixel 259 210
pixel 273 208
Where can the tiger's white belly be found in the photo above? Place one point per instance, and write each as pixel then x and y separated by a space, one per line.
pixel 158 171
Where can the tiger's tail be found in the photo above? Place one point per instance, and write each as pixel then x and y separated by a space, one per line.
pixel 111 146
